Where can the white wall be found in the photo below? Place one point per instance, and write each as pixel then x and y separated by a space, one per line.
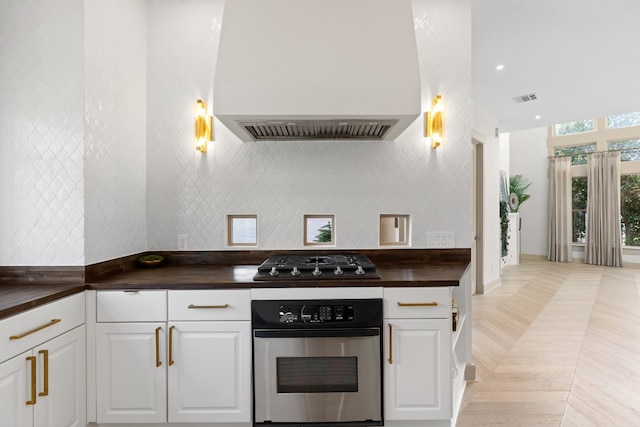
pixel 145 182
pixel 41 132
pixel 528 157
pixel 115 128
pixel 190 193
pixel 485 125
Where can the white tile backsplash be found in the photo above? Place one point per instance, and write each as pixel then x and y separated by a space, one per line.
pixel 115 128
pixel 41 132
pixel 189 193
pixel 96 139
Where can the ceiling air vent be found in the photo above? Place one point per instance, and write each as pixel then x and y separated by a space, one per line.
pixel 319 129
pixel 525 98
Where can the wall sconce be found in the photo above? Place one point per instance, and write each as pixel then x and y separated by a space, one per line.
pixel 204 126
pixel 434 122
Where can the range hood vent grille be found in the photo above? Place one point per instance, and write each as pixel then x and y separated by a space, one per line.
pixel 319 129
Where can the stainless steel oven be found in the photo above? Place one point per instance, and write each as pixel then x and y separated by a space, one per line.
pixel 317 362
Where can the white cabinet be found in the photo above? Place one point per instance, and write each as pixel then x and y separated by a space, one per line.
pixel 209 372
pixel 417 342
pixel 210 356
pixel 417 374
pixel 44 386
pixel 513 241
pixel 180 356
pixel 14 379
pixel 131 372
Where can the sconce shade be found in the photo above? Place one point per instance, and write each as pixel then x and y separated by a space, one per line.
pixel 435 122
pixel 203 126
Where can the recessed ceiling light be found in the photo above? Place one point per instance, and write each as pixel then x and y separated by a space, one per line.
pixel 499 67
pixel 537 117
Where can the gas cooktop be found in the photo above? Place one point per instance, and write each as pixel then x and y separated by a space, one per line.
pixel 316 267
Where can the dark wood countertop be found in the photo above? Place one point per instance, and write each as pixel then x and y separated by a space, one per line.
pixel 22 289
pixel 18 297
pixel 241 276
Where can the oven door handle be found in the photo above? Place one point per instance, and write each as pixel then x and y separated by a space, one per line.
pixel 322 333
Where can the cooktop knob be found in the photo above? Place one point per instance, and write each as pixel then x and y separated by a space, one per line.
pixel 274 272
pixel 317 271
pixel 359 270
pixel 295 271
pixel 338 271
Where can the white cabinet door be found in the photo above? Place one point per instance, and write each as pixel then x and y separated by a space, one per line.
pixel 131 372
pixel 209 372
pixel 417 369
pixel 62 381
pixel 15 391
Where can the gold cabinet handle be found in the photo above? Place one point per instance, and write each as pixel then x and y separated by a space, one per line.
pixel 158 362
pixel 208 306
pixel 390 360
pixel 417 304
pixel 34 330
pixel 45 372
pixel 171 361
pixel 32 359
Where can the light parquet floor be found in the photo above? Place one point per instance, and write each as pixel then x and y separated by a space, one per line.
pixel 557 344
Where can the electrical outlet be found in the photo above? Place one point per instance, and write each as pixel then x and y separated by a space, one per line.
pixel 448 239
pixel 441 239
pixel 182 242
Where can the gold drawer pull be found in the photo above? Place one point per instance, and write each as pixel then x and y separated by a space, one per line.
pixel 208 306
pixel 417 304
pixel 45 373
pixel 32 401
pixel 390 360
pixel 32 331
pixel 171 361
pixel 158 361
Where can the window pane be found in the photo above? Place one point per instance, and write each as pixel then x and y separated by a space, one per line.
pixel 579 208
pixel 630 209
pixel 623 120
pixel 629 149
pixel 578 153
pixel 578 126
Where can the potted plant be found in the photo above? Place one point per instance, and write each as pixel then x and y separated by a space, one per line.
pixel 518 186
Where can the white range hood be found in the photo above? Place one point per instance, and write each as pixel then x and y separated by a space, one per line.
pixel 317 69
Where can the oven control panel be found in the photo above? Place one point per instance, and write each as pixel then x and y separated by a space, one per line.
pixel 315 313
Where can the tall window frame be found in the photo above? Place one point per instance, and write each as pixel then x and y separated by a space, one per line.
pixel 621 137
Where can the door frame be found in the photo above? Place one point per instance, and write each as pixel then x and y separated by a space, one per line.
pixel 477 218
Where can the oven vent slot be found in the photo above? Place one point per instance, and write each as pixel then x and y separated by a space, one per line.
pixel 319 129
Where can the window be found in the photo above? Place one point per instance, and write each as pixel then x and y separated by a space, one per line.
pixel 629 149
pixel 630 209
pixel 623 120
pixel 319 230
pixel 578 153
pixel 394 230
pixel 242 230
pixel 579 126
pixel 579 208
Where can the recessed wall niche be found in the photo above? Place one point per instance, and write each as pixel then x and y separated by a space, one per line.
pixel 242 230
pixel 394 230
pixel 319 230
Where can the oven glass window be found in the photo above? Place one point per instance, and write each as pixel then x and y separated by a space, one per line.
pixel 317 374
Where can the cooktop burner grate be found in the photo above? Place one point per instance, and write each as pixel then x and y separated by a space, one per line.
pixel 316 267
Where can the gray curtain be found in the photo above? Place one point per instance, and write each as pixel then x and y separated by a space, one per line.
pixel 559 233
pixel 603 237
